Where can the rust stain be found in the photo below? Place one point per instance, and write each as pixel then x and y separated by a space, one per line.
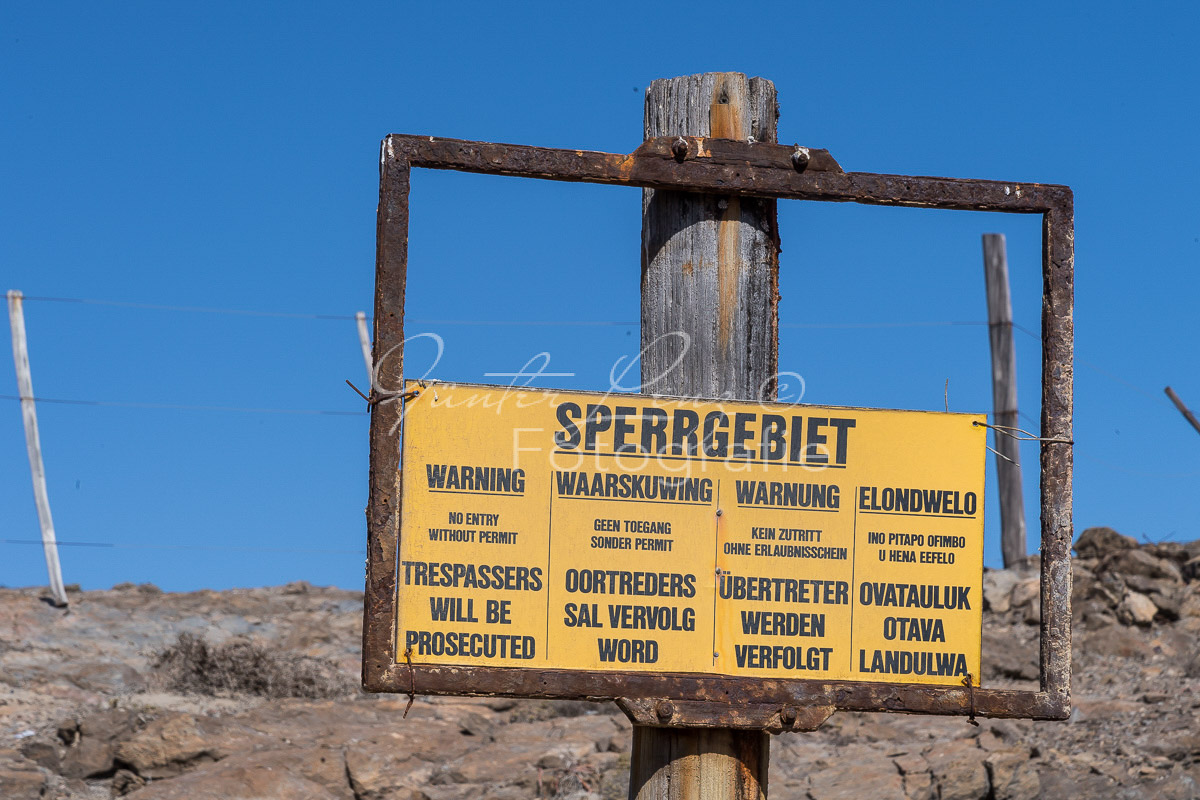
pixel 726 122
pixel 625 165
pixel 687 268
pixel 728 101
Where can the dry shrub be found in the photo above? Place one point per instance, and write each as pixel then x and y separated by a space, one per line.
pixel 193 666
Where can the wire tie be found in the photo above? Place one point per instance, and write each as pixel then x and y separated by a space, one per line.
pixel 1006 430
pixel 412 683
pixel 969 682
pixel 1001 455
pixel 378 397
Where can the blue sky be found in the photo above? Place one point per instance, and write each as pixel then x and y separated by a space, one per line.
pixel 225 156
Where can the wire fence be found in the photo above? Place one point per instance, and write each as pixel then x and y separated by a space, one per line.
pixel 187 407
pixel 212 547
pixel 1034 335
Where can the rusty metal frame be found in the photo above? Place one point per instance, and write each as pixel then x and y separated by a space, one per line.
pixel 758 170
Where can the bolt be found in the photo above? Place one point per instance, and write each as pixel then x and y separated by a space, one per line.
pixel 664 709
pixel 800 158
pixel 788 715
pixel 680 148
pixel 719 512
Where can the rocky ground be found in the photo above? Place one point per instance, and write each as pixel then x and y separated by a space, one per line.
pixel 90 708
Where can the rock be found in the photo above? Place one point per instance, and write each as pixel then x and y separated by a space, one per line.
pixel 1012 774
pixel 1100 542
pixel 958 770
pixel 92 742
pixel 1189 606
pixel 1191 666
pixel 1096 613
pixel 1149 586
pixel 1135 692
pixel 1062 783
pixel 105 676
pixel 1172 551
pixel 178 742
pixel 1083 584
pixel 124 782
pixel 1033 611
pixel 1024 591
pixel 857 775
pixel 1091 709
pixel 1141 563
pixel 22 784
pixel 917 780
pixel 1005 655
pixel 514 758
pixel 1173 787
pixel 554 761
pixel 1136 609
pixel 378 771
pixel 997 589
pixel 1191 569
pixel 305 774
pixel 1111 588
pixel 42 753
pixel 1169 602
pixel 475 724
pixel 1114 640
pixel 447 774
pixel 1177 745
pixel 614 783
pixel 501 703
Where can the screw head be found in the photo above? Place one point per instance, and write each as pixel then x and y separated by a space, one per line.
pixel 679 148
pixel 664 709
pixel 800 158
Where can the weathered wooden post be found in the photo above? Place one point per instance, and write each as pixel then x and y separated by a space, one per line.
pixel 710 270
pixel 1004 399
pixel 33 443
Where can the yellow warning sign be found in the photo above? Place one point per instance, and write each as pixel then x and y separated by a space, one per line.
pixel 582 531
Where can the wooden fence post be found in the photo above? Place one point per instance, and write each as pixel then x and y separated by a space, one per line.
pixel 710 269
pixel 33 444
pixel 1004 399
pixel 1187 413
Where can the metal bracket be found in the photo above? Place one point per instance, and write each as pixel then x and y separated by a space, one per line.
pixel 754 169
